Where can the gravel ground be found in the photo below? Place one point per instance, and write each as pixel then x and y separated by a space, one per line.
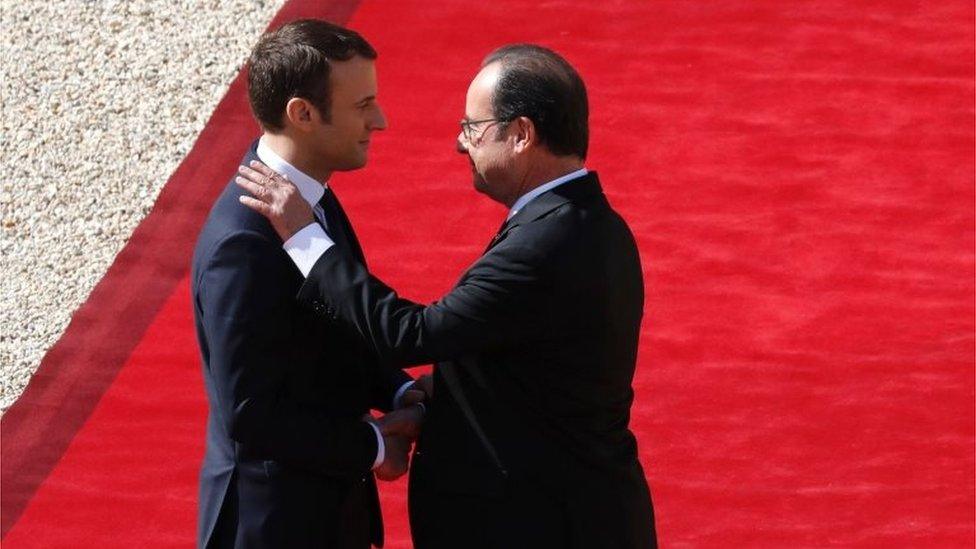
pixel 101 100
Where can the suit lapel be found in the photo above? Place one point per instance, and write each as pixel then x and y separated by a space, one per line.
pixel 340 225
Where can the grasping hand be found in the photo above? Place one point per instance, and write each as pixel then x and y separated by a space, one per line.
pixel 405 422
pixel 426 384
pixel 275 198
pixel 421 391
pixel 397 458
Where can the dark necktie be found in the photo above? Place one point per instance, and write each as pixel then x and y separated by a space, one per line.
pixel 337 225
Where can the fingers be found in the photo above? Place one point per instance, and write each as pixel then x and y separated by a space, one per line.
pixel 258 177
pixel 391 429
pixel 390 424
pixel 426 384
pixel 264 170
pixel 257 190
pixel 408 427
pixel 256 205
pixel 263 175
pixel 413 396
pixel 262 182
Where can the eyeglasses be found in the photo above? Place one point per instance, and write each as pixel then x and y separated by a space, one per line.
pixel 468 127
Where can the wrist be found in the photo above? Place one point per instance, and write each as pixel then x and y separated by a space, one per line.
pixel 380 444
pixel 292 230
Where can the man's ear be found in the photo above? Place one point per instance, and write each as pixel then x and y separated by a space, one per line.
pixel 298 111
pixel 524 134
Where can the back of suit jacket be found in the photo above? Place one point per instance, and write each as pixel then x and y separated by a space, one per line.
pixel 288 458
pixel 537 346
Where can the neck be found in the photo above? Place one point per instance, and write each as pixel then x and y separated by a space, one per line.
pixel 291 151
pixel 543 171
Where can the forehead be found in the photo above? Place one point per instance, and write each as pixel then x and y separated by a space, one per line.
pixel 478 101
pixel 353 79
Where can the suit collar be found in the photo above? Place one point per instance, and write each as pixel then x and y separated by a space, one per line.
pixel 580 188
pixel 545 187
pixel 583 188
pixel 310 189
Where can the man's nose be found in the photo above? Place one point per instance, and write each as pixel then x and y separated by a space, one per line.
pixel 461 144
pixel 379 121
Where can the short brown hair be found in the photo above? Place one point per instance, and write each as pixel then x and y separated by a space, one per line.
pixel 539 84
pixel 294 61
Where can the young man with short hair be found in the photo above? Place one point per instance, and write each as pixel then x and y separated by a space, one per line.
pixel 289 458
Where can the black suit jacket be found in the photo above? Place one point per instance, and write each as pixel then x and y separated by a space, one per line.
pixel 536 349
pixel 288 458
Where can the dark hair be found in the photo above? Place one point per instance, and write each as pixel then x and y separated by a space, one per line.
pixel 539 84
pixel 293 61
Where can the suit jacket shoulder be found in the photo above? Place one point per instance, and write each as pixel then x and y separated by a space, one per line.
pixel 564 227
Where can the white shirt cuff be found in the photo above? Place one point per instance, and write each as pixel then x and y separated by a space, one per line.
pixel 307 245
pixel 399 394
pixel 380 446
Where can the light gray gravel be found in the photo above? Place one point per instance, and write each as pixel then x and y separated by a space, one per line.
pixel 101 100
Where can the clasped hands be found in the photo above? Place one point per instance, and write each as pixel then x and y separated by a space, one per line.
pixel 400 429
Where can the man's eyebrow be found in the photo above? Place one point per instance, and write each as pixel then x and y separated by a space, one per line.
pixel 366 100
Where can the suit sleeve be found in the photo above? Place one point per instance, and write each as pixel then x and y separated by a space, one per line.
pixel 247 332
pixel 495 303
pixel 386 381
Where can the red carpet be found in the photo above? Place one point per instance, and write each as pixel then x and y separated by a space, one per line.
pixel 801 183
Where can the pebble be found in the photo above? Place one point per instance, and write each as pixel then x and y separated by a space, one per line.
pixel 99 102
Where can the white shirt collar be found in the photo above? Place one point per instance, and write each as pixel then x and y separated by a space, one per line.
pixel 529 196
pixel 310 189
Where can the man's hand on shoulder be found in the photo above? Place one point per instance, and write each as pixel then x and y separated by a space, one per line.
pixel 275 198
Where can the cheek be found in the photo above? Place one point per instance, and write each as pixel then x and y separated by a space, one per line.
pixel 345 124
pixel 480 161
pixel 340 127
pixel 489 159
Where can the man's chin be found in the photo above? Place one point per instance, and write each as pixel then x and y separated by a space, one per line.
pixel 479 185
pixel 352 165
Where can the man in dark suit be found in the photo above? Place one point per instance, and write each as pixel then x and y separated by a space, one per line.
pixel 526 442
pixel 289 456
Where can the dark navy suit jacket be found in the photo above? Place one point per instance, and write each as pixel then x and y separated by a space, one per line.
pixel 288 457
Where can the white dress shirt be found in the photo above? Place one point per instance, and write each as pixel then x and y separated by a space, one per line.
pixel 530 196
pixel 306 246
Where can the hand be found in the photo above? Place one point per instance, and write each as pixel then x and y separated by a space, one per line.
pixel 404 422
pixel 411 397
pixel 275 198
pixel 422 390
pixel 397 458
pixel 426 384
